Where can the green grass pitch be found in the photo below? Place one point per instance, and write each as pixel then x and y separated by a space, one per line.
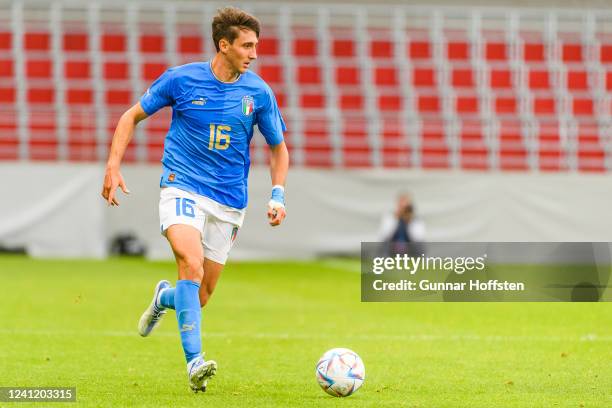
pixel 73 323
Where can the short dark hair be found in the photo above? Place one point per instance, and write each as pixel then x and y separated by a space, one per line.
pixel 229 21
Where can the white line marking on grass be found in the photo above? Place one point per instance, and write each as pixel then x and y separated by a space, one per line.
pixel 291 336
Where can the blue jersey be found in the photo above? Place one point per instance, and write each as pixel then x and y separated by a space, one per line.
pixel 206 150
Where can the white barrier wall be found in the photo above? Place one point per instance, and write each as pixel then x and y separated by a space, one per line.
pixel 56 209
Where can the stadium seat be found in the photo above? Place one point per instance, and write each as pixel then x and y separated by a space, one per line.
pixel 512 149
pixel 473 151
pixel 463 77
pixel 305 47
pixel 318 147
pixel 428 103
pixel 534 52
pixel 577 80
pixel 571 52
pixel 350 99
pixel 190 44
pixel 271 72
pixel 9 142
pixel 43 94
pixel 6 68
pixel 390 101
pixel 539 78
pixel 39 68
pixel 343 48
pixel 355 142
pixel 419 49
pixel 115 70
pixel 505 103
pixel 152 43
pixel 79 95
pixel 605 53
pixel 551 154
pixel 7 93
pixel 583 105
pixel 396 150
pixel 75 42
pixel 544 104
pixel 312 98
pixel 152 69
pixel 309 74
pixel 381 48
pixel 501 77
pixel 37 41
pixel 467 104
pixel 81 129
pixel 6 40
pixel 458 50
pixel 590 154
pixel 435 152
pixel 120 95
pixel 424 76
pixel 42 128
pixel 268 45
pixel 385 75
pixel 347 75
pixel 113 42
pixel 496 51
pixel 77 69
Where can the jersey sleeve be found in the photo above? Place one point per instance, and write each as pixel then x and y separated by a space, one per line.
pixel 269 119
pixel 159 94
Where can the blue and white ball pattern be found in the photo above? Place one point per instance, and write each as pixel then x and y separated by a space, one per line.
pixel 340 372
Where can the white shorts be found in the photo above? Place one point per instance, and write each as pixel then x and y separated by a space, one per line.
pixel 218 224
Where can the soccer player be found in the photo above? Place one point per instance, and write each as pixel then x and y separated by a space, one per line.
pixel 205 167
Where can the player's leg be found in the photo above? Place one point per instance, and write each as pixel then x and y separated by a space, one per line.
pixel 186 243
pixel 212 272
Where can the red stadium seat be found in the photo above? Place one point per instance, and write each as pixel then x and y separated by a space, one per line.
pixel 381 48
pixel 317 142
pixel 6 68
pixel 347 75
pixel 424 77
pixel 551 153
pixel 39 68
pixel 42 127
pixel 390 102
pixel 534 52
pixel 385 76
pixel 505 104
pixel 268 45
pixel 41 94
pixel 7 93
pixel 309 74
pixel 577 80
pixel 467 104
pixel 591 154
pixel 496 51
pixel 458 50
pixel 77 69
pixel 272 73
pixel 434 149
pixel 512 149
pixel 463 77
pixel 473 151
pixel 501 78
pixel 305 47
pixel 75 42
pixel 355 142
pixel 152 43
pixel 395 145
pixel 82 139
pixel 583 105
pixel 539 78
pixel 79 96
pixel 605 53
pixel 312 99
pixel 151 70
pixel 116 70
pixel 544 105
pixel 9 142
pixel 37 41
pixel 6 39
pixel 427 103
pixel 113 42
pixel 190 44
pixel 120 96
pixel 343 48
pixel 571 52
pixel 419 50
pixel 350 99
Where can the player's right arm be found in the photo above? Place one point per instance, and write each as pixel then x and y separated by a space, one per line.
pixel 121 139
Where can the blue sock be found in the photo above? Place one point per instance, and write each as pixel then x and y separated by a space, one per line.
pixel 166 299
pixel 189 314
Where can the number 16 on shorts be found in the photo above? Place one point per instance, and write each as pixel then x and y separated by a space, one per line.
pixel 184 207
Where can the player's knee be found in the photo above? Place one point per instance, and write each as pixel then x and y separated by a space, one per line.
pixel 191 267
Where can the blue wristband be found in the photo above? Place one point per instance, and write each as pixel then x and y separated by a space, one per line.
pixel 278 195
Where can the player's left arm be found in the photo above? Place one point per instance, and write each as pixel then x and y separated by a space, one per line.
pixel 279 166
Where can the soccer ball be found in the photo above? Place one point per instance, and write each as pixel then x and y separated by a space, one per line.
pixel 340 372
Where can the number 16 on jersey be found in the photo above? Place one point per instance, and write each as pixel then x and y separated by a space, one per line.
pixel 219 140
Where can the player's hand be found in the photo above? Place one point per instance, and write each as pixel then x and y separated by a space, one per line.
pixel 112 180
pixel 276 215
pixel 276 206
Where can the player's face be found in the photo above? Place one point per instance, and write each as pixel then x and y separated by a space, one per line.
pixel 242 51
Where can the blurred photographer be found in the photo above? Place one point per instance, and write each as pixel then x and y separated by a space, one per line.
pixel 402 231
